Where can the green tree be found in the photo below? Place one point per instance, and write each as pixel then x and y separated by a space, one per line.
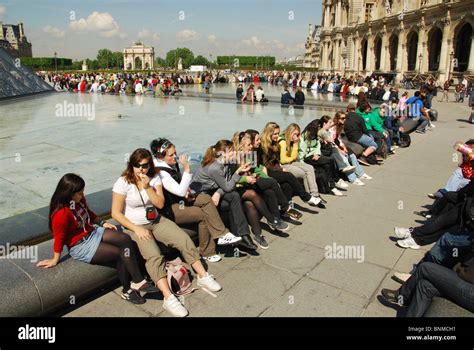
pixel 201 61
pixel 160 62
pixel 105 58
pixel 173 56
pixel 117 59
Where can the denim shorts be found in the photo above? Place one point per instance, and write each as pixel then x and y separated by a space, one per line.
pixel 367 141
pixel 86 248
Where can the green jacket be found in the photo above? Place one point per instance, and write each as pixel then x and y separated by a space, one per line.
pixel 257 171
pixel 373 121
pixel 308 148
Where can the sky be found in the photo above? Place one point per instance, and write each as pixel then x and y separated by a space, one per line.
pixel 78 29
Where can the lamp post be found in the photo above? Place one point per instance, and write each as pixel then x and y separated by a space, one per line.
pixel 210 63
pixel 55 62
pixel 358 67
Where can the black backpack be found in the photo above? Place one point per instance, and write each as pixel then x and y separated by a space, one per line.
pixel 405 140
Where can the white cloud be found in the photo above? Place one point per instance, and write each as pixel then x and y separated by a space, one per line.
pixel 3 10
pixel 252 41
pixel 278 44
pixel 103 23
pixel 146 34
pixel 187 35
pixel 212 39
pixel 53 31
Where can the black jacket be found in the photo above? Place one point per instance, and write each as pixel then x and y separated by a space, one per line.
pixel 354 127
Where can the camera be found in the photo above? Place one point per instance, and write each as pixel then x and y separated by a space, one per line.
pixel 152 214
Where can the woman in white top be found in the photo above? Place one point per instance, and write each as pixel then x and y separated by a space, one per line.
pixel 183 207
pixel 134 198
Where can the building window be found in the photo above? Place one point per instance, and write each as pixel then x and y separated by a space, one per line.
pixel 368 11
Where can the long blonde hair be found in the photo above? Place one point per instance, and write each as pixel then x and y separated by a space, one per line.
pixel 268 146
pixel 288 131
pixel 239 139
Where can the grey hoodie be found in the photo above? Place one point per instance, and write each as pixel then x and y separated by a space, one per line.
pixel 214 177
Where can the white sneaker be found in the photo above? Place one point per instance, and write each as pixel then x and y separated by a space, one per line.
pixel 358 182
pixel 314 200
pixel 401 277
pixel 366 177
pixel 341 184
pixel 212 258
pixel 336 192
pixel 432 125
pixel 395 147
pixel 402 233
pixel 228 238
pixel 348 169
pixel 174 307
pixel 208 282
pixel 408 243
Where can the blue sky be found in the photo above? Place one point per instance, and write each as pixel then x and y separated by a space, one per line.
pixel 78 29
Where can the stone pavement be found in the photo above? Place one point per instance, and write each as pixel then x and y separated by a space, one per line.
pixel 294 277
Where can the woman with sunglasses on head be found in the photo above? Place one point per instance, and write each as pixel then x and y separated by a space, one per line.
pixel 259 189
pixel 270 154
pixel 183 207
pixel 217 178
pixel 71 221
pixel 134 198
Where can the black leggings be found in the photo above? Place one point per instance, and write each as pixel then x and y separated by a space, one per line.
pixel 273 195
pixel 259 208
pixel 289 184
pixel 118 247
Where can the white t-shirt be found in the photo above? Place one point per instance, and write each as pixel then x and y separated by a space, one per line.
pixel 134 210
pixel 259 95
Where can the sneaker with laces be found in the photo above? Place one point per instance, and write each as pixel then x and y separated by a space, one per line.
pixel 261 241
pixel 133 296
pixel 341 184
pixel 228 238
pixel 174 306
pixel 314 201
pixel 209 282
pixel 358 182
pixel 401 277
pixel 213 258
pixel 366 177
pixel 408 243
pixel 402 233
pixel 247 242
pixel 278 225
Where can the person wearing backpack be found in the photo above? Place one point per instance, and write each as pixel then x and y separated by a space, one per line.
pixel 135 197
pixel 183 207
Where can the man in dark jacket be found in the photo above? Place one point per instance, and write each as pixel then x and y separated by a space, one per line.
pixel 299 97
pixel 286 97
pixel 356 131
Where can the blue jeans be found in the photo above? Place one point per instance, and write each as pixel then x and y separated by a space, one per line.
pixel 443 250
pixel 358 171
pixel 430 280
pixel 456 181
pixel 367 141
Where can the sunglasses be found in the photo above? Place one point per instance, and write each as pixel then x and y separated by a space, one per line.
pixel 142 166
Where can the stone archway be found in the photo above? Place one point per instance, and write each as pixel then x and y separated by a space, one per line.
pixel 412 45
pixel 138 56
pixel 377 52
pixel 393 51
pixel 435 39
pixel 462 47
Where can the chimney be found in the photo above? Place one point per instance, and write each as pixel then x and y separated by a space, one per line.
pixel 22 33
